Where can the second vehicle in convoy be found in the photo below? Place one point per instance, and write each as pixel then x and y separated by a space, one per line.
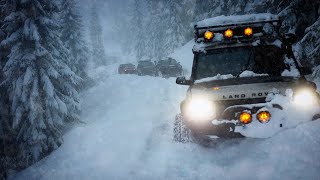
pixel 146 67
pixel 168 67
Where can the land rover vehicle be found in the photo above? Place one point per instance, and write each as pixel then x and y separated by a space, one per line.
pixel 128 68
pixel 146 67
pixel 241 63
pixel 168 67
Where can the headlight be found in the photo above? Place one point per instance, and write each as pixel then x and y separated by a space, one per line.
pixel 305 98
pixel 199 109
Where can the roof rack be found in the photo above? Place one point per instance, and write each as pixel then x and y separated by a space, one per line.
pixel 237 24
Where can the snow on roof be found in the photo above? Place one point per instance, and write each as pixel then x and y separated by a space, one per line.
pixel 225 20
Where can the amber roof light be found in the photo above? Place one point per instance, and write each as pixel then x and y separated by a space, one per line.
pixel 228 33
pixel 208 35
pixel 248 31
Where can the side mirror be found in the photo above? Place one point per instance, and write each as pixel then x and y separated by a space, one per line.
pixel 183 81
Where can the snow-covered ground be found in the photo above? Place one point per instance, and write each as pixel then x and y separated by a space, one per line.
pixel 128 135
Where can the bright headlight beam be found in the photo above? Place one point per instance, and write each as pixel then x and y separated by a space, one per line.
pixel 200 109
pixel 304 98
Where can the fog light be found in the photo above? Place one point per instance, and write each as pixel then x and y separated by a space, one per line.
pixel 264 116
pixel 245 118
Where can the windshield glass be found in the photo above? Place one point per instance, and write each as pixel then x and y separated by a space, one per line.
pixel 262 60
pixel 129 65
pixel 167 62
pixel 146 63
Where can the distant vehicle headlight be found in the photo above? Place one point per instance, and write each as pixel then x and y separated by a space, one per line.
pixel 200 109
pixel 305 98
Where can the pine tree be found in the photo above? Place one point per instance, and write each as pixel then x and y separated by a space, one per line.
pixel 72 38
pixel 157 29
pixel 139 28
pixel 7 133
pixel 178 24
pixel 98 52
pixel 310 46
pixel 2 103
pixel 40 84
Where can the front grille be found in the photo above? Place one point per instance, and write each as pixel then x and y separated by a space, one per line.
pixel 221 106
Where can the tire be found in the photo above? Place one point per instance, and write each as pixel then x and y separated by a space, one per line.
pixel 180 132
pixel 316 117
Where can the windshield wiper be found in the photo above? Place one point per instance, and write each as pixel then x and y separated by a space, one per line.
pixel 247 65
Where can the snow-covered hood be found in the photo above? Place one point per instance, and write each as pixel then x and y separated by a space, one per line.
pixel 240 91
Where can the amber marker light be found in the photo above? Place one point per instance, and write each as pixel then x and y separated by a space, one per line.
pixel 245 118
pixel 248 31
pixel 228 33
pixel 264 116
pixel 208 35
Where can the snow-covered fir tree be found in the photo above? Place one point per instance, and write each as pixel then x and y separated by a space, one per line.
pixel 40 83
pixel 7 147
pixel 309 46
pixel 2 103
pixel 157 28
pixel 178 24
pixel 139 28
pixel 72 38
pixel 98 51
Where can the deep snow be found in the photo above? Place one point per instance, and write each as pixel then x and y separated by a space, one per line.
pixel 128 135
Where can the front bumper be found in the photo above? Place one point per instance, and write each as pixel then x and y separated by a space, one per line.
pixel 226 124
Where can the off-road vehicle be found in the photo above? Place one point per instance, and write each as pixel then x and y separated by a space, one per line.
pixel 146 67
pixel 168 67
pixel 245 81
pixel 128 68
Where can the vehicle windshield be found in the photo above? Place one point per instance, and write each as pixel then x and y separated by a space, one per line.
pixel 261 60
pixel 146 63
pixel 129 65
pixel 167 62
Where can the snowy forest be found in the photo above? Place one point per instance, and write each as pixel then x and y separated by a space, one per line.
pixel 49 48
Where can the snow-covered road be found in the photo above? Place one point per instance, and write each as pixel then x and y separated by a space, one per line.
pixel 128 135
